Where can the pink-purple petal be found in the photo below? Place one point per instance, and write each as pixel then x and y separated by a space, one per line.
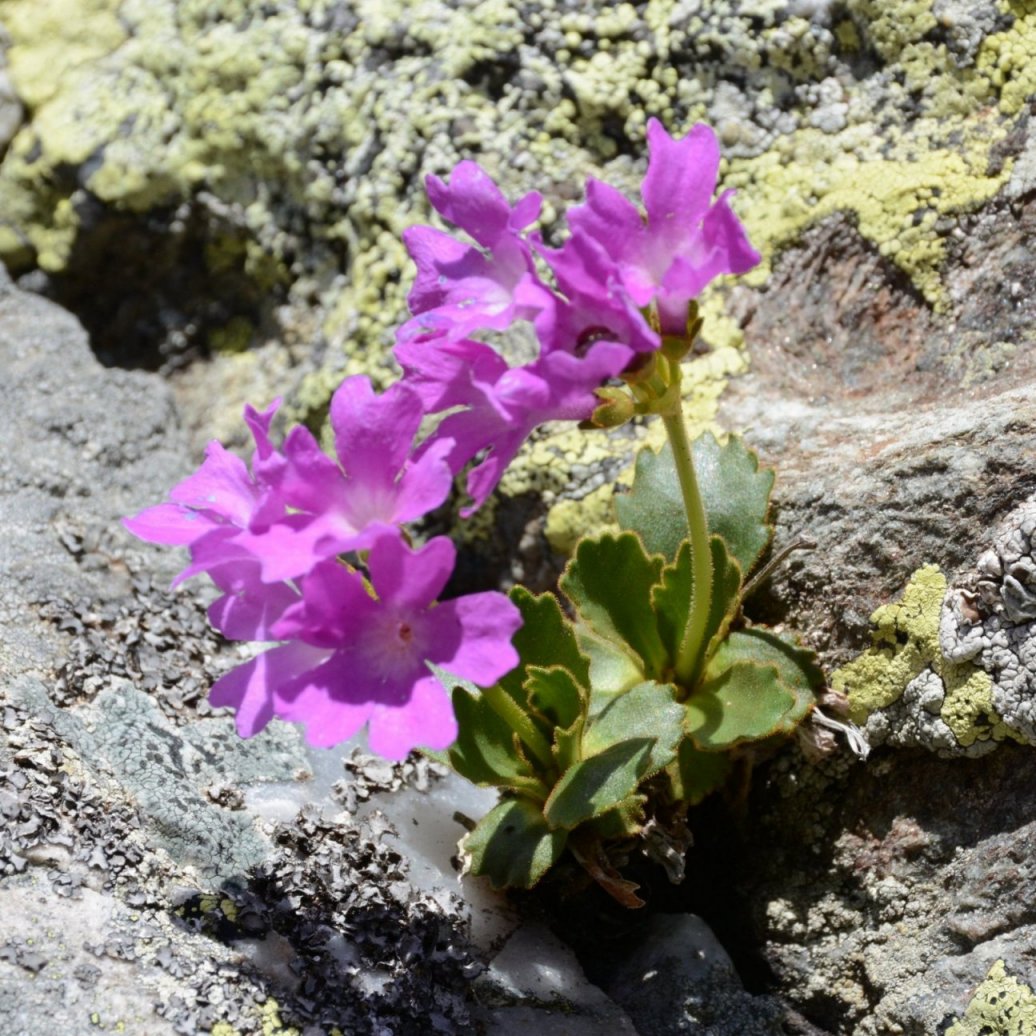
pixel 252 613
pixel 410 579
pixel 308 473
pixel 251 687
pixel 221 485
pixel 426 720
pixel 321 700
pixel 432 250
pixel 723 231
pixel 444 372
pixel 374 434
pixel 170 524
pixel 334 608
pixel 526 210
pixel 487 622
pixel 259 422
pixel 472 202
pixel 426 483
pixel 680 178
pixel 608 217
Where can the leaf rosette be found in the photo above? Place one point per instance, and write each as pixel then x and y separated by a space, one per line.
pixel 578 735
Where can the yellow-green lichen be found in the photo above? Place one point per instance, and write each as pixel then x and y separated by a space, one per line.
pixel 569 520
pixel 52 39
pixel 896 203
pixel 269 1020
pixel 1002 1006
pixel 315 156
pixel 1008 59
pixel 905 643
pixel 169 98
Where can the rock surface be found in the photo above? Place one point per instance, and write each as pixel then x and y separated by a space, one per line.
pixel 679 952
pixel 885 892
pixel 217 192
pixel 157 873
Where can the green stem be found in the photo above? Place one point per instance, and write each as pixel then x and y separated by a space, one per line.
pixel 511 713
pixel 701 551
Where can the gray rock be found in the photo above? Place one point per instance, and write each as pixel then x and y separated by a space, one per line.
pixel 54 973
pixel 882 893
pixel 892 450
pixel 124 798
pixel 157 872
pixel 535 980
pixel 677 980
pixel 902 437
pixel 78 445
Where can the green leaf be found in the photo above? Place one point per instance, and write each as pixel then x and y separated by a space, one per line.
pixel 546 639
pixel 735 492
pixel 725 602
pixel 609 581
pixel 512 845
pixel 796 665
pixel 613 668
pixel 598 784
pixel 672 600
pixel 566 747
pixel 554 693
pixel 744 702
pixel 696 774
pixel 645 711
pixel 485 751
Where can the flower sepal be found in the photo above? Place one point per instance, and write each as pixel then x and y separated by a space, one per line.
pixel 616 408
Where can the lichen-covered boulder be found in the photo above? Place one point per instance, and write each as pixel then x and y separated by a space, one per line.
pixel 217 189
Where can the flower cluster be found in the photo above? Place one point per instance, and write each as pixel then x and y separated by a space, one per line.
pixel 309 551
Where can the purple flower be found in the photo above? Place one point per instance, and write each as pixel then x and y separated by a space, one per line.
pixel 502 405
pixel 208 509
pixel 297 506
pixel 595 306
pixel 687 239
pixel 353 660
pixel 249 609
pixel 336 507
pixel 459 288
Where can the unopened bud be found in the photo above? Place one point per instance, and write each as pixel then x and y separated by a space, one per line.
pixel 616 408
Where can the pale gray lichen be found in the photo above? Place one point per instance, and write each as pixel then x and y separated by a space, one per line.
pixel 904 691
pixel 129 745
pixel 954 669
pixel 915 720
pixel 990 620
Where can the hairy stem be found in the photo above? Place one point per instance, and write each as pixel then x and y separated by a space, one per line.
pixel 701 551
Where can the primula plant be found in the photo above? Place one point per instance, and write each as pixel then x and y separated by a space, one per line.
pixel 603 713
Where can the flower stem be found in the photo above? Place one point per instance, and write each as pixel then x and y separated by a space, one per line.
pixel 701 551
pixel 511 713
